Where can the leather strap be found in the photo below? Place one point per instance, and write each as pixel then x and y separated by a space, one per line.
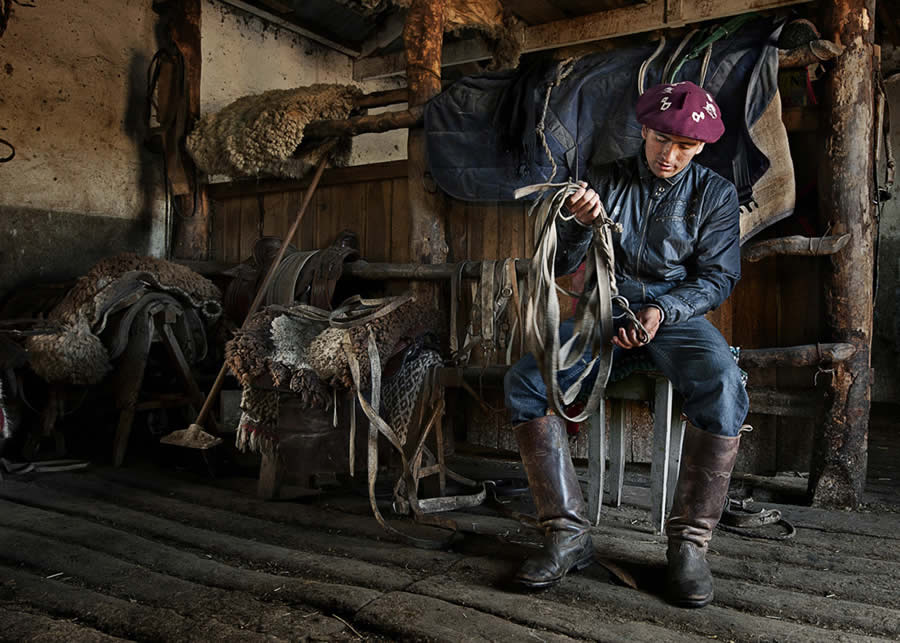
pixel 593 314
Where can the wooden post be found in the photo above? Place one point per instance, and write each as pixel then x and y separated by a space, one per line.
pixel 423 36
pixel 846 191
pixel 192 229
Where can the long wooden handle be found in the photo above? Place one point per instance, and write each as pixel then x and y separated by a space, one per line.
pixel 260 293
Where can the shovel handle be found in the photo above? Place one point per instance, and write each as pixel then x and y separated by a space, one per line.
pixel 260 293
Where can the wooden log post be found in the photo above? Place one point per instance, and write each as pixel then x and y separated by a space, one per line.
pixel 423 36
pixel 192 229
pixel 838 470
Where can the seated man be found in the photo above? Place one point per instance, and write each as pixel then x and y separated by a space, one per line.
pixel 677 257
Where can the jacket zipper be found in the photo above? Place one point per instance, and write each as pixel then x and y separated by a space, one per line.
pixel 644 227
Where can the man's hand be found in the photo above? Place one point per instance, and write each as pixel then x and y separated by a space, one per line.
pixel 584 204
pixel 650 318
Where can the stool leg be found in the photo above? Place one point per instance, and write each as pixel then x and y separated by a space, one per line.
pixel 677 433
pixel 659 464
pixel 596 462
pixel 616 451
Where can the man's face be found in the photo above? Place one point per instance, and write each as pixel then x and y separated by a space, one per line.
pixel 668 154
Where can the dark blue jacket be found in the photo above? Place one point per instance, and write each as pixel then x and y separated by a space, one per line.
pixel 680 242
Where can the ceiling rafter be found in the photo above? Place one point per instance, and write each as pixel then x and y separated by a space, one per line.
pixel 633 19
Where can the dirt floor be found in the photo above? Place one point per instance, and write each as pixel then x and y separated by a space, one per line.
pixel 152 554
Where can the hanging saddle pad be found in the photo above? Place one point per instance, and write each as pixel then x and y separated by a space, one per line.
pixel 483 140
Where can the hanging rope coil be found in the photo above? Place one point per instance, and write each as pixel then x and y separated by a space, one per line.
pixel 594 327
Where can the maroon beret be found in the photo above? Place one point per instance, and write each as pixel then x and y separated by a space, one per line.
pixel 682 109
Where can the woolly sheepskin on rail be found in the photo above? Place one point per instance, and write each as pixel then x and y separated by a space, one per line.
pixel 261 134
pixel 76 355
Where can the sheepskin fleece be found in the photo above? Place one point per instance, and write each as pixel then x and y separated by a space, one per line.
pixel 278 343
pixel 259 134
pixel 76 355
pixel 176 279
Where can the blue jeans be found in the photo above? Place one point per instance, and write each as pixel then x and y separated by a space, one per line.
pixel 693 355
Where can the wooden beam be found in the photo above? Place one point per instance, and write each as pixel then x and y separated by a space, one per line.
pixel 640 18
pixel 794 245
pixel 332 176
pixel 383 122
pixel 362 269
pixel 290 26
pixel 598 26
pixel 192 229
pixel 806 355
pixel 802 403
pixel 423 36
pixel 385 33
pixel 383 98
pixel 846 191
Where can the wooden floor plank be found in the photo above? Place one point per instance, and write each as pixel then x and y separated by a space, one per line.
pixel 617 603
pixel 422 618
pixel 311 565
pixel 165 535
pixel 574 620
pixel 105 573
pixel 119 617
pixel 324 528
pixel 20 625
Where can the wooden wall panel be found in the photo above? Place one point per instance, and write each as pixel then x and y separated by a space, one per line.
pixel 250 225
pixel 777 303
pixel 399 221
pixel 457 232
pixel 276 219
pixel 231 224
pixel 217 230
pixel 801 321
pixel 377 214
pixel 755 326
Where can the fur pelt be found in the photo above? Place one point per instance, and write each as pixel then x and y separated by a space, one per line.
pixel 76 355
pixel 260 134
pixel 309 358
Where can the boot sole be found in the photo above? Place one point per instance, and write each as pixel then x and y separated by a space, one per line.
pixel 577 567
pixel 692 604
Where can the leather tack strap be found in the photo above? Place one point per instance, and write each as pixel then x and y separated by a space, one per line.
pixel 593 314
pixel 378 425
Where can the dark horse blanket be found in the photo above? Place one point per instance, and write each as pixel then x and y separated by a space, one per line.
pixel 483 143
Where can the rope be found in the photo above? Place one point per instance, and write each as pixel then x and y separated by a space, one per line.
pixel 564 68
pixel 676 53
pixel 705 66
pixel 642 72
pixel 593 314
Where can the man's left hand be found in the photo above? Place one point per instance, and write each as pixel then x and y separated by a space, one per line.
pixel 650 318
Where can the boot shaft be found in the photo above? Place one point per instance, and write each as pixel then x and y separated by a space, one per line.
pixel 707 461
pixel 544 449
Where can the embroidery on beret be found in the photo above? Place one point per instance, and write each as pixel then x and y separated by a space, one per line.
pixel 711 110
pixel 664 104
pixel 698 116
pixel 668 89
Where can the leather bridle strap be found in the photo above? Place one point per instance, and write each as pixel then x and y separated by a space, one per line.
pixel 594 326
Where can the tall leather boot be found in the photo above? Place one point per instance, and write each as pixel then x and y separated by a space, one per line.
pixel 706 464
pixel 544 448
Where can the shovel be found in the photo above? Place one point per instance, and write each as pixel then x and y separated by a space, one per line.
pixel 194 437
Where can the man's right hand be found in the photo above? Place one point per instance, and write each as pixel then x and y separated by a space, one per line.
pixel 584 204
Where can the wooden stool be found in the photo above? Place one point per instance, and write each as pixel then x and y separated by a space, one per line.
pixel 668 432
